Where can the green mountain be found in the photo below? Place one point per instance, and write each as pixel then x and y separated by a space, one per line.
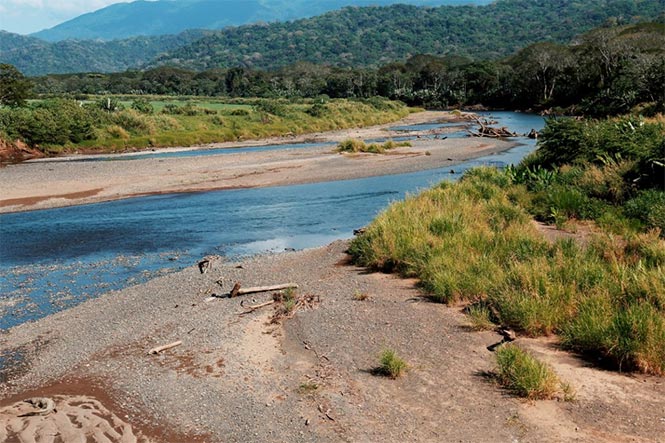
pixel 353 36
pixel 33 56
pixel 123 20
pixel 375 35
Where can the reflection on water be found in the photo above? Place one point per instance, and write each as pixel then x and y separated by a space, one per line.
pixel 54 259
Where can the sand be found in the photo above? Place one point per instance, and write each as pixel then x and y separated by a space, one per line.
pixel 242 378
pixel 48 183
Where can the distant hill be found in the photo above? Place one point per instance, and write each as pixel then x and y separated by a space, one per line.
pixel 33 56
pixel 123 20
pixel 376 35
pixel 353 36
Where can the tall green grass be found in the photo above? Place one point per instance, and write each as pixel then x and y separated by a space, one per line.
pixel 61 125
pixel 474 242
pixel 524 375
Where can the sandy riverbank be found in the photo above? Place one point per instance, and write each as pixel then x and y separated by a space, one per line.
pixel 239 378
pixel 53 182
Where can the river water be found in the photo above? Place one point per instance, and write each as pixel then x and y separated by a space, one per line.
pixel 54 259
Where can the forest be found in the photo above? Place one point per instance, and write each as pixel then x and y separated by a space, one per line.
pixel 358 37
pixel 608 70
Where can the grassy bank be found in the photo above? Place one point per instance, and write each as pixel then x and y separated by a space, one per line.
pixel 120 123
pixel 475 242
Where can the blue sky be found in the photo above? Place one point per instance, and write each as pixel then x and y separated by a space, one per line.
pixel 28 16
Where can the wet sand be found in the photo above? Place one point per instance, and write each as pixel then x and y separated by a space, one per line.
pixel 50 183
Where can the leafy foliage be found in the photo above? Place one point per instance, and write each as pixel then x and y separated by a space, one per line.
pixel 14 87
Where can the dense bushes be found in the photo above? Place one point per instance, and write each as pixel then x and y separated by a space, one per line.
pixel 52 122
pixel 611 171
pixel 116 123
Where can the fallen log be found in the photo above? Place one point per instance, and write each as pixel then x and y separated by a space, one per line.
pixel 486 130
pixel 159 349
pixel 237 290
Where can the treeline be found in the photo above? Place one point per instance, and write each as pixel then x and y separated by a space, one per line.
pixel 606 71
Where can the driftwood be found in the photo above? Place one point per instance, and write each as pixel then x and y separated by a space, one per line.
pixel 159 349
pixel 237 290
pixel 287 312
pixel 204 266
pixel 508 336
pixel 485 130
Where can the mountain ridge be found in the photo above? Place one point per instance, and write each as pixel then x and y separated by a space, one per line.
pixel 353 36
pixel 166 17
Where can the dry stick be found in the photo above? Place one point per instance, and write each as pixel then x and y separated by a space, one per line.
pixel 238 291
pixel 253 308
pixel 159 349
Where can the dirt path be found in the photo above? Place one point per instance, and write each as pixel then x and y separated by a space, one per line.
pixel 47 184
pixel 240 379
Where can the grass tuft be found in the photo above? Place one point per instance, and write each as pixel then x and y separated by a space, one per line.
pixel 360 296
pixel 524 375
pixel 391 365
pixel 480 317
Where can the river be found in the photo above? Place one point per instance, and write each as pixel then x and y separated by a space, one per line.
pixel 54 259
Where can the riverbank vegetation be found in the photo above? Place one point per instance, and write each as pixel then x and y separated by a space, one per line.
pixel 475 242
pixel 121 123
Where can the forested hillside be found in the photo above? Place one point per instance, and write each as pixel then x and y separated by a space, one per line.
pixel 374 35
pixel 358 37
pixel 605 71
pixel 124 20
pixel 33 56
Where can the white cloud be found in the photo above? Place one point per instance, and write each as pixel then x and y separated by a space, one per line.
pixel 26 16
pixel 64 6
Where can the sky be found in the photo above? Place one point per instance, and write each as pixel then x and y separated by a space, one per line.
pixel 28 16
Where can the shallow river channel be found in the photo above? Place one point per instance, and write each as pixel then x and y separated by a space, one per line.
pixel 54 259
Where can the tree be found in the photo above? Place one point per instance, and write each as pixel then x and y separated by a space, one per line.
pixel 14 87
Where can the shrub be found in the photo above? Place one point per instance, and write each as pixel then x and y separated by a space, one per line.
pixel 143 106
pixel 240 112
pixel 390 365
pixel 649 207
pixel 355 145
pixel 116 131
pixel 272 107
pixel 133 121
pixel 524 375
